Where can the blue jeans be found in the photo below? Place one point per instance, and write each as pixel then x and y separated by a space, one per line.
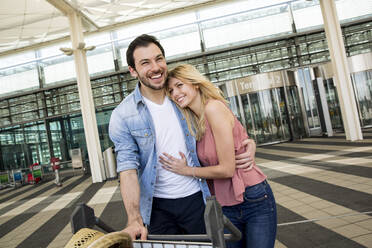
pixel 255 217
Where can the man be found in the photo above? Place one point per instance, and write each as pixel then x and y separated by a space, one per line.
pixel 143 126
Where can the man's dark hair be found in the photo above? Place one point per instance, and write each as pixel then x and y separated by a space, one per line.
pixel 143 40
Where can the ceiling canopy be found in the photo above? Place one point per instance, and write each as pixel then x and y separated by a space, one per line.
pixel 25 23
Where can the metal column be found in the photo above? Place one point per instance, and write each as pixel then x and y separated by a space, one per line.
pixel 344 87
pixel 86 98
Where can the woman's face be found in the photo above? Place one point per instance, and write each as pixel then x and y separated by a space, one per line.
pixel 182 93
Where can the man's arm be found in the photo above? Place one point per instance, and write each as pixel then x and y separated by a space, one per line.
pixel 127 164
pixel 245 160
pixel 130 193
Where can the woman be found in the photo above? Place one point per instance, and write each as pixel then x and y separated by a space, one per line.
pixel 245 196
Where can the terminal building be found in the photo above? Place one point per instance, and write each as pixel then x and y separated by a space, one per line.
pixel 272 59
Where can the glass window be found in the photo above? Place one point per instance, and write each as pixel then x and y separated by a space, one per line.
pixel 58 69
pixel 57 140
pixel 19 78
pixel 97 39
pixel 250 25
pixel 100 60
pixel 16 59
pixel 363 88
pixel 106 90
pixel 155 24
pixel 180 40
pixel 122 45
pixel 349 10
pixel 236 7
pixel 103 120
pixel 307 14
pixel 23 146
pixel 53 50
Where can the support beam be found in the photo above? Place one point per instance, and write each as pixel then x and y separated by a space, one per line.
pixel 344 87
pixel 67 9
pixel 86 99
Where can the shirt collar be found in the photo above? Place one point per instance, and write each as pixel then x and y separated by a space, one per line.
pixel 137 94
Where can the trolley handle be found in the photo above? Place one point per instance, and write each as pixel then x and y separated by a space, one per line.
pixel 191 237
pixel 235 235
pixel 215 224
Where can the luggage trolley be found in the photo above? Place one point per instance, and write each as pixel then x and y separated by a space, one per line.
pixel 83 218
pixel 4 179
pixel 36 173
pixel 19 177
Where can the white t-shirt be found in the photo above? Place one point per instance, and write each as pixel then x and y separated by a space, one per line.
pixel 170 139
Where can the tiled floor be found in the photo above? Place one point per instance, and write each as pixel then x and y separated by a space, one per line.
pixel 323 188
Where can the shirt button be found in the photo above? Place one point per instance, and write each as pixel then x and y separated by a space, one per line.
pixel 146 134
pixel 187 134
pixel 192 150
pixel 183 118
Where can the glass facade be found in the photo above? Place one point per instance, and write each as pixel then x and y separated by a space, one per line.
pixel 26 75
pixel 39 102
pixel 307 91
pixel 333 104
pixel 362 82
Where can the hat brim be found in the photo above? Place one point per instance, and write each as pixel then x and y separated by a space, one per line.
pixel 120 239
pixel 89 238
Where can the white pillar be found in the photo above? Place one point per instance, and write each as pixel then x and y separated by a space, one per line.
pixel 344 87
pixel 86 99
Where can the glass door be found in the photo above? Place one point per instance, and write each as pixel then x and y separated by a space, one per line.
pixel 266 114
pixel 333 104
pixel 283 122
pixel 58 140
pixel 67 133
pixel 362 82
pixel 296 119
pixel 248 116
pixel 262 106
pixel 311 108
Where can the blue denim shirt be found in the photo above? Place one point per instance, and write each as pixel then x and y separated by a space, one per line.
pixel 132 131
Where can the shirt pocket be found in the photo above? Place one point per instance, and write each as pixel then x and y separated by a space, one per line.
pixel 143 137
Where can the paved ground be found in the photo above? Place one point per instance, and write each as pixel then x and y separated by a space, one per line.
pixel 323 188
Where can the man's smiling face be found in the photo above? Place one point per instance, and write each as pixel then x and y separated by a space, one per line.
pixel 150 66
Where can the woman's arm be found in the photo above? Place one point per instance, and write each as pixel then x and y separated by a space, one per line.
pixel 221 122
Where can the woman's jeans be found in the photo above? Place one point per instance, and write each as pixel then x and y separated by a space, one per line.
pixel 255 217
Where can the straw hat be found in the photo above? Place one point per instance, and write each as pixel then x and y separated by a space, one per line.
pixel 89 238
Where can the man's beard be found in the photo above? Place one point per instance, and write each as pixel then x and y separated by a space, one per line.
pixel 146 82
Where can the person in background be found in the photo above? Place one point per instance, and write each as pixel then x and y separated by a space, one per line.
pixel 245 195
pixel 143 126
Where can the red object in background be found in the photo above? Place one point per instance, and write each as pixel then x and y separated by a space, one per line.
pixel 30 179
pixel 34 164
pixel 55 163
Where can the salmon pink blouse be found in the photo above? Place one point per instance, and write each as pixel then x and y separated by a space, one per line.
pixel 228 191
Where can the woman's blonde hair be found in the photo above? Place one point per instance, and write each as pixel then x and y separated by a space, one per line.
pixel 189 74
